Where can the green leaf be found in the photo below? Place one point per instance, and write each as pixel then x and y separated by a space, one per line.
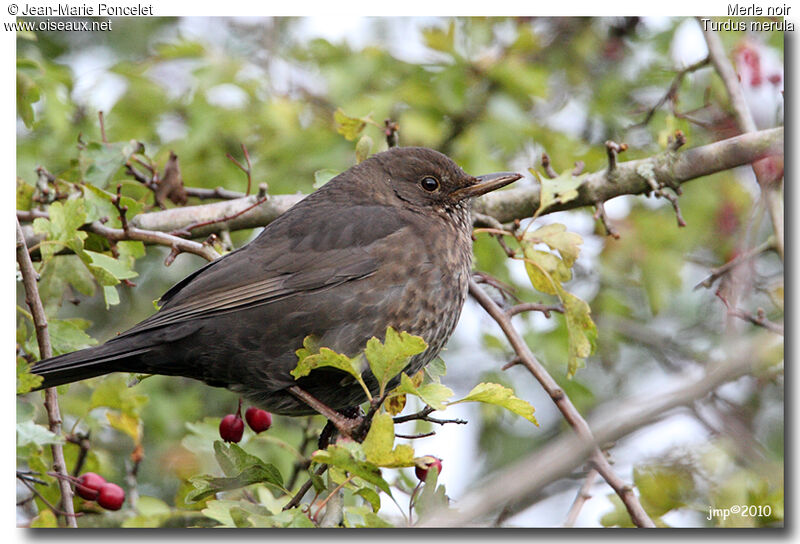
pixel 101 161
pixel 321 177
pixel 99 205
pixel 493 393
pixel 581 330
pixel 311 356
pixel 341 457
pixel 349 127
pixel 233 459
pixel 434 395
pixel 113 392
pixel 363 147
pixel 370 497
pixel 28 93
pixel 61 228
pixel 126 423
pixel 240 468
pixel 56 277
pixel 663 488
pixel 29 432
pixel 45 520
pixel 180 49
pixel 205 486
pixel 292 518
pixel 108 270
pixel 110 295
pixel 229 512
pixel 439 39
pixel 387 360
pixel 24 195
pixel 67 335
pixel 436 369
pixel 559 190
pixel 379 441
pixel 545 270
pixel 25 380
pixel 555 235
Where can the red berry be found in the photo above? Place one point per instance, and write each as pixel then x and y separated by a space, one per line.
pixel 89 485
pixel 259 420
pixel 111 497
pixel 231 428
pixel 428 461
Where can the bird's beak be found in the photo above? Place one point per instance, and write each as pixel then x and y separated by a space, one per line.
pixel 486 183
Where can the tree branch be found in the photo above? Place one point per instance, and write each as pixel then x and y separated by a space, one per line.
pixel 29 277
pixel 564 404
pixel 767 179
pixel 561 456
pixel 581 498
pixel 669 168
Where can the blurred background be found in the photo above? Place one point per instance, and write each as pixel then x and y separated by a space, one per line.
pixel 493 94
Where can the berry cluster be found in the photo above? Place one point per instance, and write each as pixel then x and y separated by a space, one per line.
pixel 231 428
pixel 94 487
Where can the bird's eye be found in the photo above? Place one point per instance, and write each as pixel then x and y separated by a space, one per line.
pixel 429 183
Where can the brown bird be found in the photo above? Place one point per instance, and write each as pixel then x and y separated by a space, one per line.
pixel 386 243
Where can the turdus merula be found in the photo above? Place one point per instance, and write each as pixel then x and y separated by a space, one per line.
pixel 386 243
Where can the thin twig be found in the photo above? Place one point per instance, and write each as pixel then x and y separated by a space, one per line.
pixel 672 92
pixel 304 488
pixel 29 277
pixel 548 168
pixel 186 231
pixel 759 318
pixel 422 415
pixel 744 120
pixel 600 213
pixel 612 150
pixel 414 436
pixel 218 192
pixel 247 170
pixel 564 404
pixel 390 130
pixel 581 498
pixel 525 477
pixel 535 307
pixel 102 127
pixel 720 271
pixel 177 243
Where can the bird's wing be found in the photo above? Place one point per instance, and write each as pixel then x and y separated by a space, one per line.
pixel 298 254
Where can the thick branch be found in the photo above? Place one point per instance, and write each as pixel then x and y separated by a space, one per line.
pixel 668 168
pixel 564 404
pixel 504 206
pixel 29 277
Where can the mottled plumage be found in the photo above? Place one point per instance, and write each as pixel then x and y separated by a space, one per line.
pixel 376 246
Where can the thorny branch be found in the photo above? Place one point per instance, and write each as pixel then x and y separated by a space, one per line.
pixel 29 278
pixel 564 404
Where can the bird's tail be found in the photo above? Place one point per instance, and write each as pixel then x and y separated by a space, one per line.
pixel 88 363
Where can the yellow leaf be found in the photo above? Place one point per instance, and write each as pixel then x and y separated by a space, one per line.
pixel 126 423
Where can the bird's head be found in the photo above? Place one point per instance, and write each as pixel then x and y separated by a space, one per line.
pixel 420 178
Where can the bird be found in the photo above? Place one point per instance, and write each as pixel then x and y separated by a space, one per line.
pixel 386 243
